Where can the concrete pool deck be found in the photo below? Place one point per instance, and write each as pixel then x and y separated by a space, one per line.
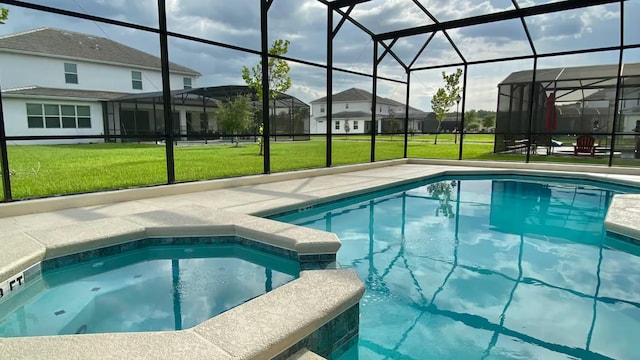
pixel 41 229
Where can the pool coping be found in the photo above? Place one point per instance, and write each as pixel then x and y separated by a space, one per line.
pixel 24 248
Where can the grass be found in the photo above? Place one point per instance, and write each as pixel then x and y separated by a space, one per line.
pixel 47 170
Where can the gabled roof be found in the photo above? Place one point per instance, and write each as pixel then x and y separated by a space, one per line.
pixel 355 95
pixel 64 43
pixel 573 73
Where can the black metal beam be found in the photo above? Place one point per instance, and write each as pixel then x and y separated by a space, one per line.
pixel 340 23
pixel 329 106
pixel 266 122
pixel 368 75
pixel 166 92
pixel 79 15
pixel 386 50
pixel 616 105
pixel 304 62
pixel 4 157
pixel 342 3
pixel 464 101
pixel 392 53
pixel 532 99
pixel 374 90
pixel 526 28
pixel 406 116
pixel 356 23
pixel 499 16
pixel 421 50
pixel 433 18
pixel 526 57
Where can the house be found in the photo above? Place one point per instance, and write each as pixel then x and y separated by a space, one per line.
pixel 353 107
pixel 567 100
pixel 64 83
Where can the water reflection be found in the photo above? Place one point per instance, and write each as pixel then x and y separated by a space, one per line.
pixel 156 288
pixel 487 269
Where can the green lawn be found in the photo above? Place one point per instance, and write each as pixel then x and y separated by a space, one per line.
pixel 62 169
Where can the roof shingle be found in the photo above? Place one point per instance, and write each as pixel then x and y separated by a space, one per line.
pixel 65 93
pixel 84 46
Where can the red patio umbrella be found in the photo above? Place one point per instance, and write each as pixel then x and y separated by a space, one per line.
pixel 551 120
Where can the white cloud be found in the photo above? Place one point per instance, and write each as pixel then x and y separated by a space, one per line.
pixel 304 22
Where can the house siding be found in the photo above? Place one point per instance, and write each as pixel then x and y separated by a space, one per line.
pixel 22 70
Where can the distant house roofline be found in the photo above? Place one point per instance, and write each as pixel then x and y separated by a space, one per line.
pixel 358 95
pixel 47 93
pixel 67 44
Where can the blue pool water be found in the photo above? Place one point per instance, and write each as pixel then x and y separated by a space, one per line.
pixel 487 269
pixel 155 288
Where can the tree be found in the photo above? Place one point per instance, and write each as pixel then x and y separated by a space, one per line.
pixel 489 121
pixel 260 131
pixel 4 15
pixel 445 97
pixel 235 116
pixel 472 127
pixel 393 123
pixel 471 117
pixel 471 121
pixel 443 191
pixel 347 128
pixel 278 72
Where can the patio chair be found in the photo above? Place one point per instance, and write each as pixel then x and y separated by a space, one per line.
pixel 585 145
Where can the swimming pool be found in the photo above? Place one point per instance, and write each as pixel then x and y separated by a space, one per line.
pixel 474 267
pixel 161 287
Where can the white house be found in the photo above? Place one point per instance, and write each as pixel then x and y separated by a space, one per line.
pixel 354 106
pixel 61 83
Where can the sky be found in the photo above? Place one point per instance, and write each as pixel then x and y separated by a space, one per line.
pixel 304 23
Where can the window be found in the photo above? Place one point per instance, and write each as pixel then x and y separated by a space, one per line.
pixel 346 106
pixel 321 108
pixel 355 124
pixel 337 124
pixel 34 116
pixel 52 116
pixel 187 82
pixel 68 116
pixel 58 116
pixel 84 117
pixel 136 80
pixel 70 73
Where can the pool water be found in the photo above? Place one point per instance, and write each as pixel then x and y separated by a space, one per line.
pixel 168 287
pixel 478 268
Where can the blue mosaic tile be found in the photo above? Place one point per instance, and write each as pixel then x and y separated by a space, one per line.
pixel 331 339
pixel 315 261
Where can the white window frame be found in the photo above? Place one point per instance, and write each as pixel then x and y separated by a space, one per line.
pixel 81 116
pixel 70 73
pixel 337 126
pixel 136 84
pixel 187 83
